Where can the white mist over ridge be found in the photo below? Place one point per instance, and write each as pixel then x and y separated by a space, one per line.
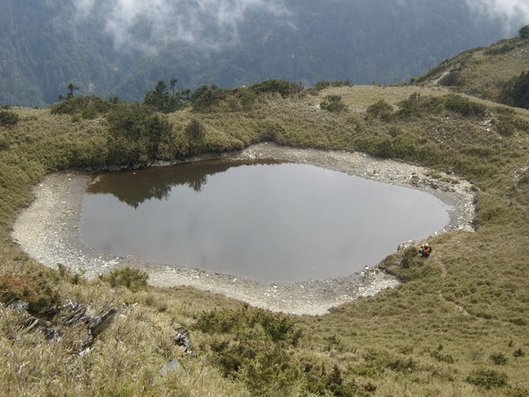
pixel 512 13
pixel 207 24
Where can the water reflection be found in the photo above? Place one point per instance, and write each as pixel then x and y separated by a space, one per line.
pixel 281 222
pixel 134 188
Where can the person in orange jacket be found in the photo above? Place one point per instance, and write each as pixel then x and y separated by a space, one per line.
pixel 425 250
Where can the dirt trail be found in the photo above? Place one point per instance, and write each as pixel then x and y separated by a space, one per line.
pixel 444 273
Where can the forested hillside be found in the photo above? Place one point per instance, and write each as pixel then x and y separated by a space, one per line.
pixel 107 50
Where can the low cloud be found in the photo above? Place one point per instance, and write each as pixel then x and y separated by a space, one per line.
pixel 147 24
pixel 512 13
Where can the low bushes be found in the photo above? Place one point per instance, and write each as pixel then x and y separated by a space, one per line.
pixel 487 378
pixel 321 85
pixel 133 279
pixel 206 97
pixel 464 106
pixel 276 327
pixel 284 88
pixel 516 91
pixel 88 107
pixel 8 118
pixel 333 103
pixel 167 100
pixel 416 105
pixel 137 132
pixel 251 345
pixel 380 110
pixel 34 289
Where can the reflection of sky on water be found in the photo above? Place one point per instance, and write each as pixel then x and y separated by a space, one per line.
pixel 282 222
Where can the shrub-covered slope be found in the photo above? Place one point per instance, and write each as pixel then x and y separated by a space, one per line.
pixel 459 325
pixel 497 73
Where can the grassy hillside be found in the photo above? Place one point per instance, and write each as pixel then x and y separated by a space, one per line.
pixel 483 72
pixel 459 325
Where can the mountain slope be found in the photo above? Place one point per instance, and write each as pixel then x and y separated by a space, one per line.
pixel 50 44
pixel 458 325
pixel 482 72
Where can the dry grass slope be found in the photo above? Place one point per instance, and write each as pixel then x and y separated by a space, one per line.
pixel 458 326
pixel 482 72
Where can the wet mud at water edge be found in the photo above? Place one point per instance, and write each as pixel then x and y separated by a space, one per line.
pixel 49 229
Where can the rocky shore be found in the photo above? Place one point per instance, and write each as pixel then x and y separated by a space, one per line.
pixel 48 231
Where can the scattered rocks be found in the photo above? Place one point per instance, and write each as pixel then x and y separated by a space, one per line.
pixel 172 366
pixel 99 323
pixel 68 315
pixel 183 339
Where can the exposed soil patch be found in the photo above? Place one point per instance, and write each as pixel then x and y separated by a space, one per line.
pixel 48 231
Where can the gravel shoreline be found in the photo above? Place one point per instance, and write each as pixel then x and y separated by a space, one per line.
pixel 48 232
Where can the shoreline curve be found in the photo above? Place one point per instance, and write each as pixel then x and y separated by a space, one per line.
pixel 48 231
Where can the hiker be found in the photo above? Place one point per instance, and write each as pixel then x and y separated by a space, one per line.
pixel 425 250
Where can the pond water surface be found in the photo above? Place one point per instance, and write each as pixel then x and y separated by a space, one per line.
pixel 267 221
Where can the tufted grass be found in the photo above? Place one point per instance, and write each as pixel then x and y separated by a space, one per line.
pixel 433 335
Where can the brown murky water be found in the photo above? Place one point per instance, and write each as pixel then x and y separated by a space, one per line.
pixel 261 220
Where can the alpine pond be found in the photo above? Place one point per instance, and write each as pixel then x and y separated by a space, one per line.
pixel 261 220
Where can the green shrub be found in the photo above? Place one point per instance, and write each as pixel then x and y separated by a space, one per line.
pixel 453 79
pixel 279 327
pixel 321 85
pixel 166 100
pixel 407 265
pixel 136 134
pixel 439 356
pixel 380 110
pixel 133 279
pixel 8 118
pixel 265 368
pixel 518 321
pixel 518 353
pixel 34 289
pixel 479 150
pixel 129 119
pixel 239 99
pixel 498 358
pixel 516 91
pixel 505 125
pixel 504 49
pixel 487 378
pixel 86 106
pixel 402 364
pixel 333 103
pixel 410 258
pixel 276 326
pixel 252 345
pixel 464 106
pixel 206 97
pixel 285 88
pixel 269 130
pixel 416 105
pixel 524 32
pixel 195 130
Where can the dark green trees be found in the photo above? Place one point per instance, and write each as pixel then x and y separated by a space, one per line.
pixel 333 103
pixel 71 90
pixel 167 100
pixel 524 32
pixel 7 118
pixel 516 92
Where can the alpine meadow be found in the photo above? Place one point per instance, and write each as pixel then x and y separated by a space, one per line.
pixel 457 323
